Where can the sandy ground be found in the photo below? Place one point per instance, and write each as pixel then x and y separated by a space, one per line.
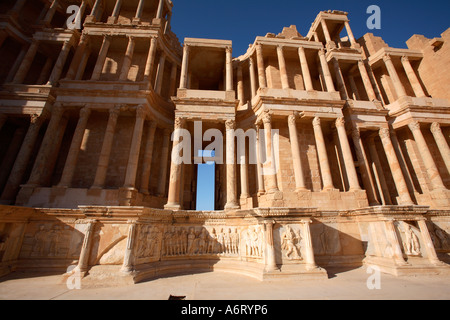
pixel 341 284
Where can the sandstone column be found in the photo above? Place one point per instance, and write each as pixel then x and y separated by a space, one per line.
pixel 128 258
pixel 185 68
pixel 295 149
pixel 271 264
pixel 260 177
pixel 429 246
pixel 83 262
pixel 133 159
pixel 354 88
pixel 72 157
pixel 230 126
pixel 96 8
pixel 364 166
pixel 81 11
pixel 399 179
pixel 269 166
pixel 352 176
pixel 425 154
pixel 160 73
pixel 173 80
pixel 340 79
pixel 127 59
pixel 150 59
pixel 240 86
pixel 366 80
pixel 261 68
pixel 82 66
pixel 252 77
pixel 76 61
pixel 50 13
pixel 282 67
pixel 229 69
pixel 351 37
pixel 103 160
pixel 441 143
pixel 59 65
pixel 173 201
pixel 26 63
pixel 148 157
pixel 116 12
pixel 139 10
pixel 412 77
pixel 22 159
pixel 164 162
pixel 400 90
pixel 326 71
pixel 385 195
pixel 50 139
pixel 305 69
pixel 45 72
pixel 322 155
pixel 244 177
pixel 325 31
pixel 17 64
pixel 101 57
pixel 159 13
pixel 309 251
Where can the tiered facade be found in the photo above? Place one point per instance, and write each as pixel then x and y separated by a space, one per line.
pixel 359 133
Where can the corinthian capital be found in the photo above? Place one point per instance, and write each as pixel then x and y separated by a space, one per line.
pixel 340 122
pixel 385 133
pixel 436 127
pixel 316 122
pixel 292 119
pixel 415 125
pixel 230 124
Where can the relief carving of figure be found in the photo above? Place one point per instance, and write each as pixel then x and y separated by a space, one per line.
pixel 411 244
pixel 290 241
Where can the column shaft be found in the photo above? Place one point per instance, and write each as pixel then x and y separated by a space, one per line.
pixel 261 68
pixel 340 79
pixel 347 154
pixel 325 31
pixel 240 86
pixel 429 246
pixel 160 73
pixel 253 86
pixel 72 157
pixel 51 12
pixel 309 251
pixel 79 53
pixel 271 264
pixel 391 235
pixel 83 262
pixel 60 62
pixel 103 160
pixel 148 157
pixel 270 169
pixel 150 59
pixel 164 163
pixel 383 189
pixel 326 71
pixel 229 69
pixel 441 143
pixel 295 148
pixel 22 159
pixel 26 63
pixel 412 77
pixel 133 159
pixel 185 68
pixel 259 171
pixel 159 13
pixel 425 154
pixel 140 9
pixel 350 34
pixel 322 155
pixel 305 69
pixel 44 76
pixel 127 59
pixel 399 179
pixel 232 203
pixel 366 80
pixel 400 90
pixel 101 58
pixel 282 67
pixel 127 265
pixel 173 201
pixel 173 80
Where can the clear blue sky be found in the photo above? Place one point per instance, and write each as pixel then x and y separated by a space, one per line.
pixel 242 20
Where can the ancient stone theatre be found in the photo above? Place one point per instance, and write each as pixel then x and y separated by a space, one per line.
pixel 348 164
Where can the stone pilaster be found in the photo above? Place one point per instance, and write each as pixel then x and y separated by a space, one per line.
pixel 429 246
pixel 128 258
pixel 83 262
pixel 271 264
